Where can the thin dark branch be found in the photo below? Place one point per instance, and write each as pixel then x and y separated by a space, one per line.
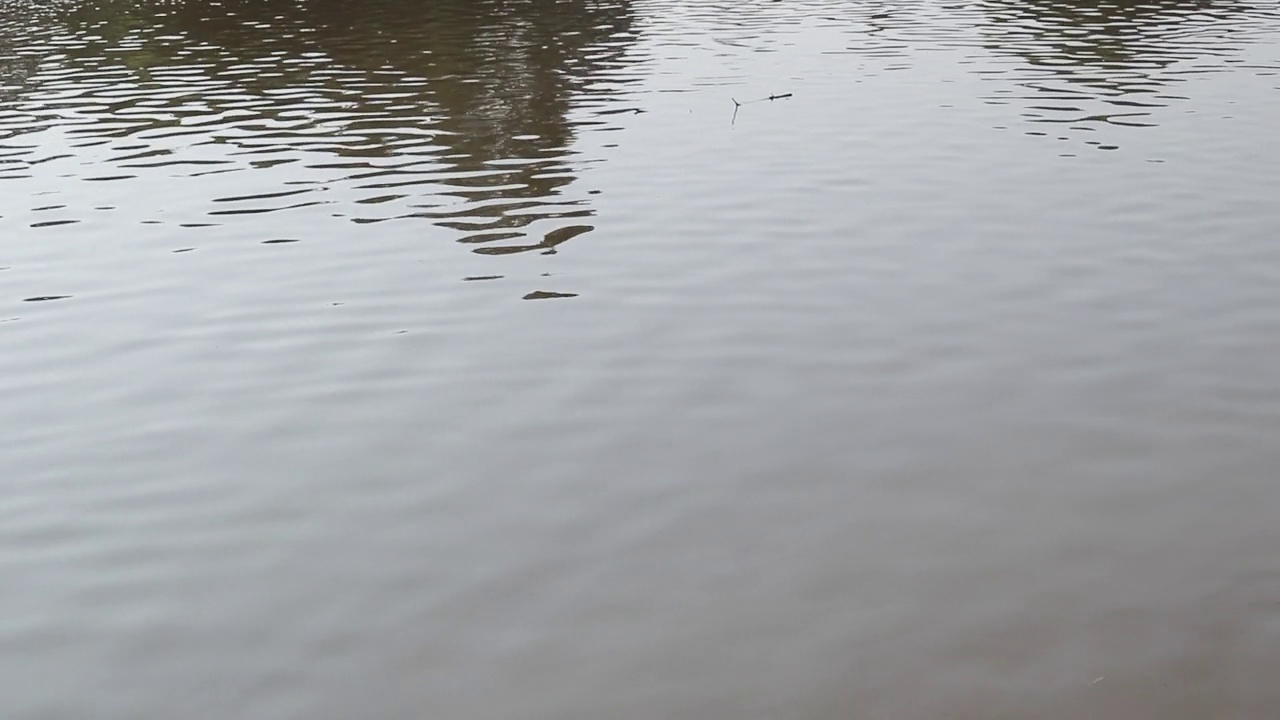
pixel 737 105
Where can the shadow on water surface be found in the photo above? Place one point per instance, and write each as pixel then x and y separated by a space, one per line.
pixel 464 113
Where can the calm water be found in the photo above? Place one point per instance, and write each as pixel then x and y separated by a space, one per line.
pixel 466 359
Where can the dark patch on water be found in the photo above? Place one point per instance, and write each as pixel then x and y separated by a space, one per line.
pixel 547 295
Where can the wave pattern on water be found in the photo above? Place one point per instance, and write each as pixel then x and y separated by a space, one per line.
pixel 835 402
pixel 1078 65
pixel 464 114
pixel 1082 64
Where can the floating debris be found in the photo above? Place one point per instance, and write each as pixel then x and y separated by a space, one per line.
pixel 737 105
pixel 545 295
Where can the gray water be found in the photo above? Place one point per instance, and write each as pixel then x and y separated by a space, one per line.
pixel 501 359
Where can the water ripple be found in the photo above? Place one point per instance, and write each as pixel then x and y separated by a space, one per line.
pixel 558 359
pixel 191 97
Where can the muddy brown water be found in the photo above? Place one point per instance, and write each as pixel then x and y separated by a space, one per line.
pixel 526 360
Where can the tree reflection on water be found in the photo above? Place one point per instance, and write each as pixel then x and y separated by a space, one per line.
pixel 460 111
pixel 498 87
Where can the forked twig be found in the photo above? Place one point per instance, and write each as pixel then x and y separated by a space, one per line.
pixel 737 105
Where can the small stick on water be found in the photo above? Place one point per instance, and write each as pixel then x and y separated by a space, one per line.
pixel 737 105
pixel 783 96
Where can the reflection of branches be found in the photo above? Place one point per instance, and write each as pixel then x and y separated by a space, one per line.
pixel 470 99
pixel 13 74
pixel 1124 43
pixel 503 79
pixel 547 245
pixel 1087 64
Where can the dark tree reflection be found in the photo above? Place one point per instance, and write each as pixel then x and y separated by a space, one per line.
pixel 496 86
pixel 461 111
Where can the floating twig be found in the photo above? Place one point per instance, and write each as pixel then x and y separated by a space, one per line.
pixel 737 105
pixel 783 96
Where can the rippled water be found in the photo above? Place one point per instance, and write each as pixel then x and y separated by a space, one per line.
pixel 581 359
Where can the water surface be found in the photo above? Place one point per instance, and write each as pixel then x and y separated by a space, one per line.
pixel 525 359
